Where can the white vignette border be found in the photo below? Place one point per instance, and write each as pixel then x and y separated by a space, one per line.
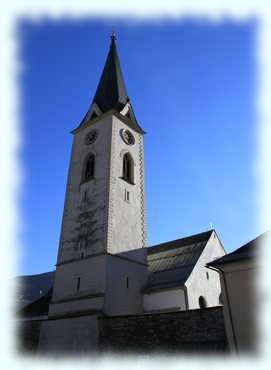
pixel 215 11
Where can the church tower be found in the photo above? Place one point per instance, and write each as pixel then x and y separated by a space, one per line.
pixel 104 205
pixel 104 213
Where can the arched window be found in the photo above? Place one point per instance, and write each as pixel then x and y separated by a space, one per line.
pixel 202 302
pixel 128 168
pixel 89 168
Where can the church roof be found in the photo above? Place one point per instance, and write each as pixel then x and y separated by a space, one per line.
pixel 171 263
pixel 33 287
pixel 39 307
pixel 111 91
pixel 247 251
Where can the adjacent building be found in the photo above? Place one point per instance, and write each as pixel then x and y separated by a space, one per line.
pixel 238 275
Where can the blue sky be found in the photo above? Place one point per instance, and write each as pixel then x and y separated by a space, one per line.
pixel 192 85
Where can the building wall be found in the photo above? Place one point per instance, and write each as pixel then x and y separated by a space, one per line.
pixel 91 195
pixel 126 219
pixel 203 281
pixel 78 335
pixel 66 298
pixel 239 304
pixel 165 300
pixel 195 330
pixel 28 332
pixel 124 281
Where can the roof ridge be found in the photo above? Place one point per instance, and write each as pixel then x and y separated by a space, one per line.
pixel 184 239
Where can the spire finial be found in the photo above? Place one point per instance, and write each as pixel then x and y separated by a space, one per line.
pixel 113 34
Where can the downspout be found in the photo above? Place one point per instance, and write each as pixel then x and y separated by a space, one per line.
pixel 228 304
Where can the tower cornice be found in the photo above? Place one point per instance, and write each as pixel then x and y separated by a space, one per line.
pixel 114 112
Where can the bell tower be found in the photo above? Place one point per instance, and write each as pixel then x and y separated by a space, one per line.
pixel 104 204
pixel 104 212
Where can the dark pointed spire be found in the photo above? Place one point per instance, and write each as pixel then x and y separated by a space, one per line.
pixel 111 92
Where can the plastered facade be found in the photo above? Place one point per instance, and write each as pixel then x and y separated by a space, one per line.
pixel 126 218
pixel 173 300
pixel 240 304
pixel 202 281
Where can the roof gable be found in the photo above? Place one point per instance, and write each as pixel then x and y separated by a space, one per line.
pixel 171 263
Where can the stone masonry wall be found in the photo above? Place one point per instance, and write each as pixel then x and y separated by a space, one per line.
pixel 183 331
pixel 28 335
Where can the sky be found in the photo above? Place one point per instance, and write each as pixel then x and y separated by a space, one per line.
pixel 192 84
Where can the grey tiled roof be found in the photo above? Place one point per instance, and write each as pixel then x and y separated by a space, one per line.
pixel 171 263
pixel 247 251
pixel 33 287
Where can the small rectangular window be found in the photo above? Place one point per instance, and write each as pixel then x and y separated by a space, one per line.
pixel 127 195
pixel 127 282
pixel 78 284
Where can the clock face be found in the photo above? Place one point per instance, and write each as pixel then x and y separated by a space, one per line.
pixel 91 137
pixel 127 137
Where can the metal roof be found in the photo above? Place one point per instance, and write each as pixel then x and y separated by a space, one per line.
pixel 33 287
pixel 171 263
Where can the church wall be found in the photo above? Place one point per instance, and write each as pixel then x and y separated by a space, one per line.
pixel 78 335
pixel 91 195
pixel 124 282
pixel 66 294
pixel 78 306
pixel 126 220
pixel 167 299
pixel 203 281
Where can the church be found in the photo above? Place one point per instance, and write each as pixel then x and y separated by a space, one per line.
pixel 105 269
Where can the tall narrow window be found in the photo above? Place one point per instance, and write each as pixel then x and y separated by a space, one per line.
pixel 78 284
pixel 127 282
pixel 128 168
pixel 89 168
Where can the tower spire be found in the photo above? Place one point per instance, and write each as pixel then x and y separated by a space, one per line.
pixel 111 93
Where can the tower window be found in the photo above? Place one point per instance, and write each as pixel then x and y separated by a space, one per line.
pixel 128 168
pixel 127 282
pixel 127 195
pixel 207 275
pixel 78 284
pixel 89 168
pixel 202 302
